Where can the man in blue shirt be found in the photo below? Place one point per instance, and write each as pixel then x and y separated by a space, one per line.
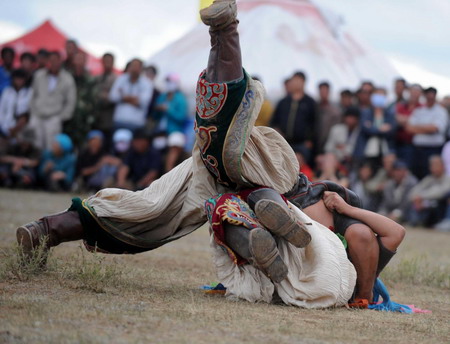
pixel 6 68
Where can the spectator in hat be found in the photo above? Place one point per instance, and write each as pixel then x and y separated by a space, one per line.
pixel 15 105
pixel 131 93
pixel 7 61
pixel 429 197
pixel 396 192
pixel 172 110
pixel 57 168
pixel 328 115
pixel 142 164
pixel 428 124
pixel 18 165
pixel 53 101
pixel 42 58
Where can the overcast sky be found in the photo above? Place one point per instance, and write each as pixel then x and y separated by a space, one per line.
pixel 413 35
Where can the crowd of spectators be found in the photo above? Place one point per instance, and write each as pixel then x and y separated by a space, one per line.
pixel 63 129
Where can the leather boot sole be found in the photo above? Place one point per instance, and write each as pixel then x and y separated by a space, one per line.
pixel 279 220
pixel 266 256
pixel 29 236
pixel 220 14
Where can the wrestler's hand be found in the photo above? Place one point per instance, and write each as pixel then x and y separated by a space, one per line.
pixel 335 202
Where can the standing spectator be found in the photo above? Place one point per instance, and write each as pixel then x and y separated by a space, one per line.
pixel 131 92
pixel 377 127
pixel 7 55
pixel 172 109
pixel 364 95
pixel 71 51
pixel 328 115
pixel 18 165
pixel 104 107
pixel 15 105
pixel 429 197
pixel 57 168
pixel 428 124
pixel 54 97
pixel 403 138
pixel 400 87
pixel 83 118
pixel 141 165
pixel 396 192
pixel 151 72
pixel 345 138
pixel 346 100
pixel 266 112
pixel 295 114
pixel 42 58
pixel 28 64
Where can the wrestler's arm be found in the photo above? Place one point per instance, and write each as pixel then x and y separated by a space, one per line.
pixel 381 225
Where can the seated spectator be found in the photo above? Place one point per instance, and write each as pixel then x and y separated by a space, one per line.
pixel 359 186
pixel 446 157
pixel 428 124
pixel 7 57
pixel 172 110
pixel 18 165
pixel 302 157
pixel 377 183
pixel 329 168
pixel 403 111
pixel 377 127
pixel 344 140
pixel 429 197
pixel 131 93
pixel 90 162
pixel 141 165
pixel 57 168
pixel 15 105
pixel 396 192
pixel 328 115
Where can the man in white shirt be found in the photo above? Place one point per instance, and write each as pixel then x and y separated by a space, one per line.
pixel 132 93
pixel 429 126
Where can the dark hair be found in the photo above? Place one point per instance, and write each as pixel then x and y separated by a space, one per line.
pixel 8 50
pixel 299 74
pixel 346 93
pixel 54 53
pixel 153 69
pixel 324 84
pixel 43 52
pixel 19 73
pixel 286 81
pixel 108 55
pixel 430 90
pixel 28 56
pixel 74 42
pixel 403 81
pixel 352 111
pixel 142 134
pixel 133 60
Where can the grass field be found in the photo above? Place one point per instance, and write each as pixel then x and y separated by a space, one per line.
pixel 155 298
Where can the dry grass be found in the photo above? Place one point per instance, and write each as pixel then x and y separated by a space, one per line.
pixel 154 297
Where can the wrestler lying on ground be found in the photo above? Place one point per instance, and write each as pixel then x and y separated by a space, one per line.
pixel 230 154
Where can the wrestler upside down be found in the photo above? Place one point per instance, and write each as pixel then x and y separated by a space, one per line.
pixel 231 156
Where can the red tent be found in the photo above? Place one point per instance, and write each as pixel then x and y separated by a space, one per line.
pixel 47 36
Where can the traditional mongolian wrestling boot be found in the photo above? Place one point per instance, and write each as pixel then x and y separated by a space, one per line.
pixel 225 61
pixel 51 230
pixel 274 214
pixel 259 248
pixel 384 256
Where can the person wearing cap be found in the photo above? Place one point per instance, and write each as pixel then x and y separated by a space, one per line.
pixel 429 125
pixel 131 93
pixel 57 168
pixel 172 112
pixel 15 105
pixel 18 164
pixel 395 201
pixel 141 165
